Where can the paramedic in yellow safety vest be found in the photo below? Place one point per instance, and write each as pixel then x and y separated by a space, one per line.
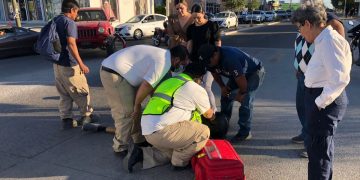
pixel 166 122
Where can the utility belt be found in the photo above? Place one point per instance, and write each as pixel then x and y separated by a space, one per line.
pixel 109 70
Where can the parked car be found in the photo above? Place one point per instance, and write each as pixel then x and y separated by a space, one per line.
pixel 281 14
pixel 288 13
pixel 209 16
pixel 17 41
pixel 95 29
pixel 141 25
pixel 241 16
pixel 226 19
pixel 256 15
pixel 269 15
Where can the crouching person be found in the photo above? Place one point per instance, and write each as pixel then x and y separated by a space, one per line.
pixel 170 122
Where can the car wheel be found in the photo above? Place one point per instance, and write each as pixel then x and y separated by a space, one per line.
pixel 138 34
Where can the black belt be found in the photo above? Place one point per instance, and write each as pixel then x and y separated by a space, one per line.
pixel 109 70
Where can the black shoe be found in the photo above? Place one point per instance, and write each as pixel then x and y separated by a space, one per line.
pixel 297 139
pixel 67 123
pixel 143 144
pixel 88 119
pixel 134 156
pixel 180 168
pixel 303 154
pixel 239 138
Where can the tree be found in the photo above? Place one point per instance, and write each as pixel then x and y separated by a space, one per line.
pixel 235 4
pixel 253 4
pixel 349 4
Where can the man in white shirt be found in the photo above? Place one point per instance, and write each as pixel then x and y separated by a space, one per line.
pixel 326 76
pixel 174 136
pixel 128 76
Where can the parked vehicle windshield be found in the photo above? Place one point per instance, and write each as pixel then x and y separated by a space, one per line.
pixel 222 15
pixel 256 12
pixel 91 15
pixel 269 12
pixel 135 19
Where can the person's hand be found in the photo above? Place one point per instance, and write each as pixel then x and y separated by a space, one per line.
pixel 225 91
pixel 84 68
pixel 136 113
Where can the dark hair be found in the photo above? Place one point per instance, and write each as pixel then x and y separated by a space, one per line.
pixel 206 51
pixel 195 69
pixel 197 8
pixel 67 5
pixel 176 2
pixel 179 51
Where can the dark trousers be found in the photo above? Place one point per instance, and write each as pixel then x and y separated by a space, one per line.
pixel 300 103
pixel 321 126
pixel 254 81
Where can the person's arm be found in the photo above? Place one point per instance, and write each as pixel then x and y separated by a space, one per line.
pixel 144 90
pixel 336 57
pixel 242 84
pixel 189 46
pixel 209 114
pixel 217 34
pixel 75 53
pixel 224 89
pixel 170 31
pixel 338 26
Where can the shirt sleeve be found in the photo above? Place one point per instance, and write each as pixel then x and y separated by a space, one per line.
pixel 71 29
pixel 155 73
pixel 338 65
pixel 200 98
pixel 217 32
pixel 188 33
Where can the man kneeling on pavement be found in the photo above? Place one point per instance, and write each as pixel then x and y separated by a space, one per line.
pixel 171 122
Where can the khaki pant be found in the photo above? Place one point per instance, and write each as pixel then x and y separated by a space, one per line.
pixel 176 143
pixel 121 97
pixel 72 87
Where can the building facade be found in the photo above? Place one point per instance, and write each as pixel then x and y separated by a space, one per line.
pixel 41 11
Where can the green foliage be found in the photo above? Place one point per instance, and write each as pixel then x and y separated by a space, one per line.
pixel 236 5
pixel 286 6
pixel 160 10
pixel 253 4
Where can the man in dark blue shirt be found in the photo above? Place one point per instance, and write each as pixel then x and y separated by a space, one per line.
pixel 69 71
pixel 245 75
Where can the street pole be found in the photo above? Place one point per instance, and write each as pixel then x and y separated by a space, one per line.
pixel 16 13
pixel 345 9
pixel 252 11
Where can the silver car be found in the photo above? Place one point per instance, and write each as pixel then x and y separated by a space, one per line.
pixel 257 15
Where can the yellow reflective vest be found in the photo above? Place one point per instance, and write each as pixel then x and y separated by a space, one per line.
pixel 162 99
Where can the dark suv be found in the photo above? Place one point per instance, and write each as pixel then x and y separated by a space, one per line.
pixel 95 30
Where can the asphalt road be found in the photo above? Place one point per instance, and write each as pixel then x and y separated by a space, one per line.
pixel 33 146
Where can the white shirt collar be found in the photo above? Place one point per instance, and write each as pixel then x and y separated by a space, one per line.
pixel 323 34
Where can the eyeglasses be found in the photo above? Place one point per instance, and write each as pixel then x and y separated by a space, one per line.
pixel 299 26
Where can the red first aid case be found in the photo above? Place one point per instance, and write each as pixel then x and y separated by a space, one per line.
pixel 218 160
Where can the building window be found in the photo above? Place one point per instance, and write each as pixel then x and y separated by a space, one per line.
pixel 52 8
pixel 110 7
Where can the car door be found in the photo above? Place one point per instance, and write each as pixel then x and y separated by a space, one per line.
pixel 159 21
pixel 233 19
pixel 148 25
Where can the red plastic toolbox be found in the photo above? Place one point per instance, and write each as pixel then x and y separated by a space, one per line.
pixel 218 160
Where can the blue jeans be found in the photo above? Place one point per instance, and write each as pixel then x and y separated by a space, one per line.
pixel 322 125
pixel 300 103
pixel 254 81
